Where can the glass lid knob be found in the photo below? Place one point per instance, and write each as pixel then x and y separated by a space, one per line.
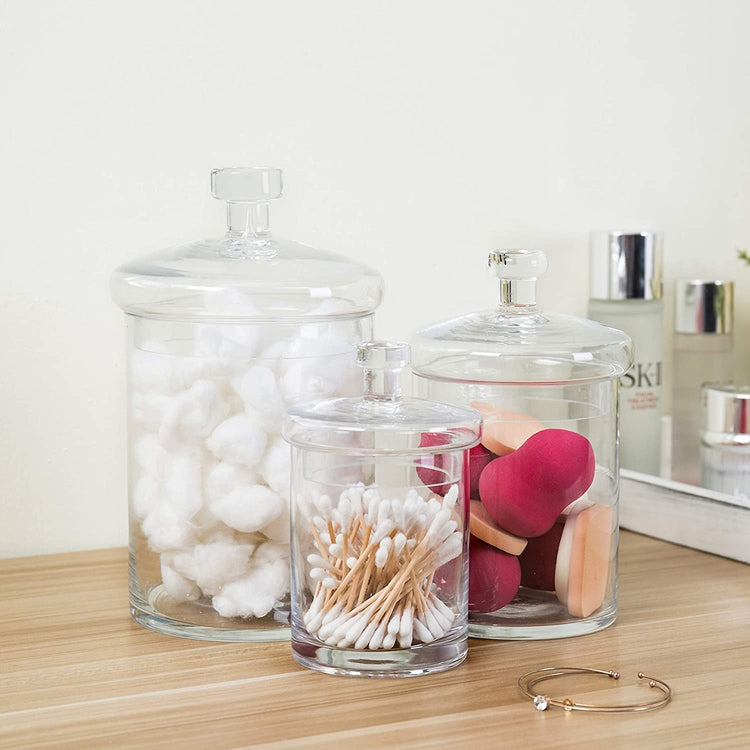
pixel 247 191
pixel 382 362
pixel 518 271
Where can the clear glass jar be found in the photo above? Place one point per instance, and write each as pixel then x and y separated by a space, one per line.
pixel 379 527
pixel 225 334
pixel 725 439
pixel 544 481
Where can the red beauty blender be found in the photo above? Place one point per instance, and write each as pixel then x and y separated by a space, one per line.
pixel 539 558
pixel 526 490
pixel 479 457
pixel 430 469
pixel 494 577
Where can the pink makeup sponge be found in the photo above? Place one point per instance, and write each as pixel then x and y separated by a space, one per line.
pixel 526 490
pixel 479 457
pixel 539 558
pixel 494 577
pixel 430 469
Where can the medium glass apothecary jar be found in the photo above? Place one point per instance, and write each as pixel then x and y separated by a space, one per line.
pixel 544 480
pixel 224 335
pixel 379 526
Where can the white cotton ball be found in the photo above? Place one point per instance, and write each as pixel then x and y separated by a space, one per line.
pixel 238 439
pixel 182 481
pixel 148 409
pixel 225 477
pixel 255 593
pixel 152 370
pixel 180 588
pixel 275 467
pixel 248 508
pixel 166 530
pixel 228 347
pixel 271 552
pixel 215 563
pixel 260 395
pixel 146 495
pixel 149 454
pixel 278 529
pixel 193 414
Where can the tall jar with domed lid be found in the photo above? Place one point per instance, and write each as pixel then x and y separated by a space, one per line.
pixel 544 481
pixel 225 335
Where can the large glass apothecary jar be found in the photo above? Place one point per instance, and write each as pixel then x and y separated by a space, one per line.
pixel 224 335
pixel 544 480
pixel 380 526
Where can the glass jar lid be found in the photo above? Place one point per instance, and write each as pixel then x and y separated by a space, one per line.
pixel 247 275
pixel 517 342
pixel 382 421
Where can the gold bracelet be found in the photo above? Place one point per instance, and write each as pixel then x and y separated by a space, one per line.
pixel 528 681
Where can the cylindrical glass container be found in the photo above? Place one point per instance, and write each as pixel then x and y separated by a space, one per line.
pixel 725 439
pixel 626 293
pixel 379 527
pixel 544 481
pixel 225 334
pixel 703 344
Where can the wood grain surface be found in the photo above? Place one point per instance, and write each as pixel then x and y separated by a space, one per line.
pixel 76 671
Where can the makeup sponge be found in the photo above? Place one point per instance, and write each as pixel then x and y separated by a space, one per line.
pixel 539 559
pixel 505 431
pixel 483 527
pixel 494 577
pixel 526 490
pixel 479 457
pixel 583 559
pixel 430 471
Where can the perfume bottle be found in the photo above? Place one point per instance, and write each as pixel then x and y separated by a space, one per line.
pixel 703 343
pixel 626 293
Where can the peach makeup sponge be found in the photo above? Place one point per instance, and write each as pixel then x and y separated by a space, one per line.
pixel 505 431
pixel 583 559
pixel 526 490
pixel 483 527
pixel 494 577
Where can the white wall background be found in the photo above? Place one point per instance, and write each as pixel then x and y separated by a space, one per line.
pixel 414 135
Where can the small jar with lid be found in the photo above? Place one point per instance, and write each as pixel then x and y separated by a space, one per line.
pixel 544 481
pixel 379 526
pixel 224 335
pixel 725 439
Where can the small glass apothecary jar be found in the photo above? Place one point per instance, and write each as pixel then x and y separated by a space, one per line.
pixel 725 439
pixel 379 527
pixel 224 335
pixel 544 480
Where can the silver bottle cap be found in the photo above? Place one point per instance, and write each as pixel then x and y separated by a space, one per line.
pixel 703 306
pixel 625 265
pixel 726 408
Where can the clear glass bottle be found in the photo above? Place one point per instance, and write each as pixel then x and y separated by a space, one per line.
pixel 725 439
pixel 379 526
pixel 224 335
pixel 703 349
pixel 626 293
pixel 544 483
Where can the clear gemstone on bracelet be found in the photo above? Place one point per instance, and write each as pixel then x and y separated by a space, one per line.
pixel 540 702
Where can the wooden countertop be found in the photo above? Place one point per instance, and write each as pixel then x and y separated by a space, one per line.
pixel 76 671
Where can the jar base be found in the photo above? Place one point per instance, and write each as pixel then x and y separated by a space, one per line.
pixel 404 662
pixel 498 627
pixel 200 622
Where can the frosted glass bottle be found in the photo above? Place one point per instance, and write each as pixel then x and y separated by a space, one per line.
pixel 626 294
pixel 703 344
